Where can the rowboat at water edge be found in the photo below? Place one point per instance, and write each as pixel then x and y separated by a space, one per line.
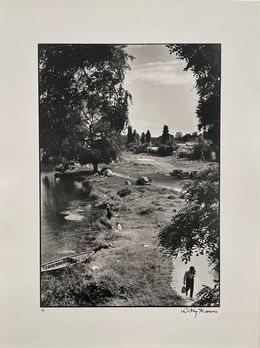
pixel 66 261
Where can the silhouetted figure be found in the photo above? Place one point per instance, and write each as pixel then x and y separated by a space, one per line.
pixel 109 212
pixel 188 280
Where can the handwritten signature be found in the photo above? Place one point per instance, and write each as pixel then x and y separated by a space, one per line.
pixel 197 311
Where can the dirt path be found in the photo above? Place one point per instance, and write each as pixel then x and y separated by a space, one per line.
pixel 204 275
pixel 166 164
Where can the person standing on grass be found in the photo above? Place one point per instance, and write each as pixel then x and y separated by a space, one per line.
pixel 109 212
pixel 188 280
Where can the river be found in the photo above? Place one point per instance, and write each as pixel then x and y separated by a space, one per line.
pixel 66 213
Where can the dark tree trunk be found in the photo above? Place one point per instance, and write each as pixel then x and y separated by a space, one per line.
pixel 95 166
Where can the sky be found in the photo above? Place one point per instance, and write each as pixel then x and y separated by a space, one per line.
pixel 162 92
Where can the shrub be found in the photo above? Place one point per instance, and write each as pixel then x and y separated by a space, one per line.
pixel 184 154
pixel 104 222
pixel 165 150
pixel 94 196
pixel 124 192
pixel 152 150
pixel 146 210
pixel 141 148
pixel 87 187
pixel 201 150
pixel 207 296
pixel 77 288
pixel 171 197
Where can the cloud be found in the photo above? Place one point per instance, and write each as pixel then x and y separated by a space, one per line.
pixel 165 73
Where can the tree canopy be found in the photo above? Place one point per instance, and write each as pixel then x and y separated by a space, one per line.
pixel 204 60
pixel 195 229
pixel 81 96
pixel 143 138
pixel 148 137
pixel 102 151
pixel 129 138
pixel 165 134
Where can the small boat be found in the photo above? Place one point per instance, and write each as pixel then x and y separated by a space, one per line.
pixel 66 261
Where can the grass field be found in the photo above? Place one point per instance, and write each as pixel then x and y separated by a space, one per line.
pixel 136 271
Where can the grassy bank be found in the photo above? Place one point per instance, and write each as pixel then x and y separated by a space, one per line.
pixel 136 271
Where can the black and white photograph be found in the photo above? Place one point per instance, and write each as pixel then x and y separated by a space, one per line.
pixel 129 180
pixel 129 140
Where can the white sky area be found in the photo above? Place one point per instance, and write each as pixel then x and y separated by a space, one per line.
pixel 162 92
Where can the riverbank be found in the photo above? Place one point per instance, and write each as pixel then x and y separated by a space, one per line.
pixel 136 271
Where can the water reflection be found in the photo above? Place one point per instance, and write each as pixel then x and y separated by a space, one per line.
pixel 66 212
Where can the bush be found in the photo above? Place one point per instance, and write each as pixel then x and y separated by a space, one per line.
pixel 141 148
pixel 87 187
pixel 207 296
pixel 103 222
pixel 201 150
pixel 124 192
pixel 152 150
pixel 165 150
pixel 183 154
pixel 146 210
pixel 77 287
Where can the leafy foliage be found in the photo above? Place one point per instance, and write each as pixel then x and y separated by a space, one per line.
pixel 208 296
pixel 143 138
pixel 201 150
pixel 132 136
pixel 195 229
pixel 164 150
pixel 136 136
pixel 129 134
pixel 204 61
pixel 148 136
pixel 101 152
pixel 187 137
pixel 77 287
pixel 124 192
pixel 142 148
pixel 81 95
pixel 165 134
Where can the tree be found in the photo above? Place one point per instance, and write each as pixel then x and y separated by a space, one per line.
pixel 148 137
pixel 195 228
pixel 143 139
pixel 101 152
pixel 132 136
pixel 204 61
pixel 81 96
pixel 165 150
pixel 194 136
pixel 129 134
pixel 178 136
pixel 165 135
pixel 136 136
pixel 186 138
